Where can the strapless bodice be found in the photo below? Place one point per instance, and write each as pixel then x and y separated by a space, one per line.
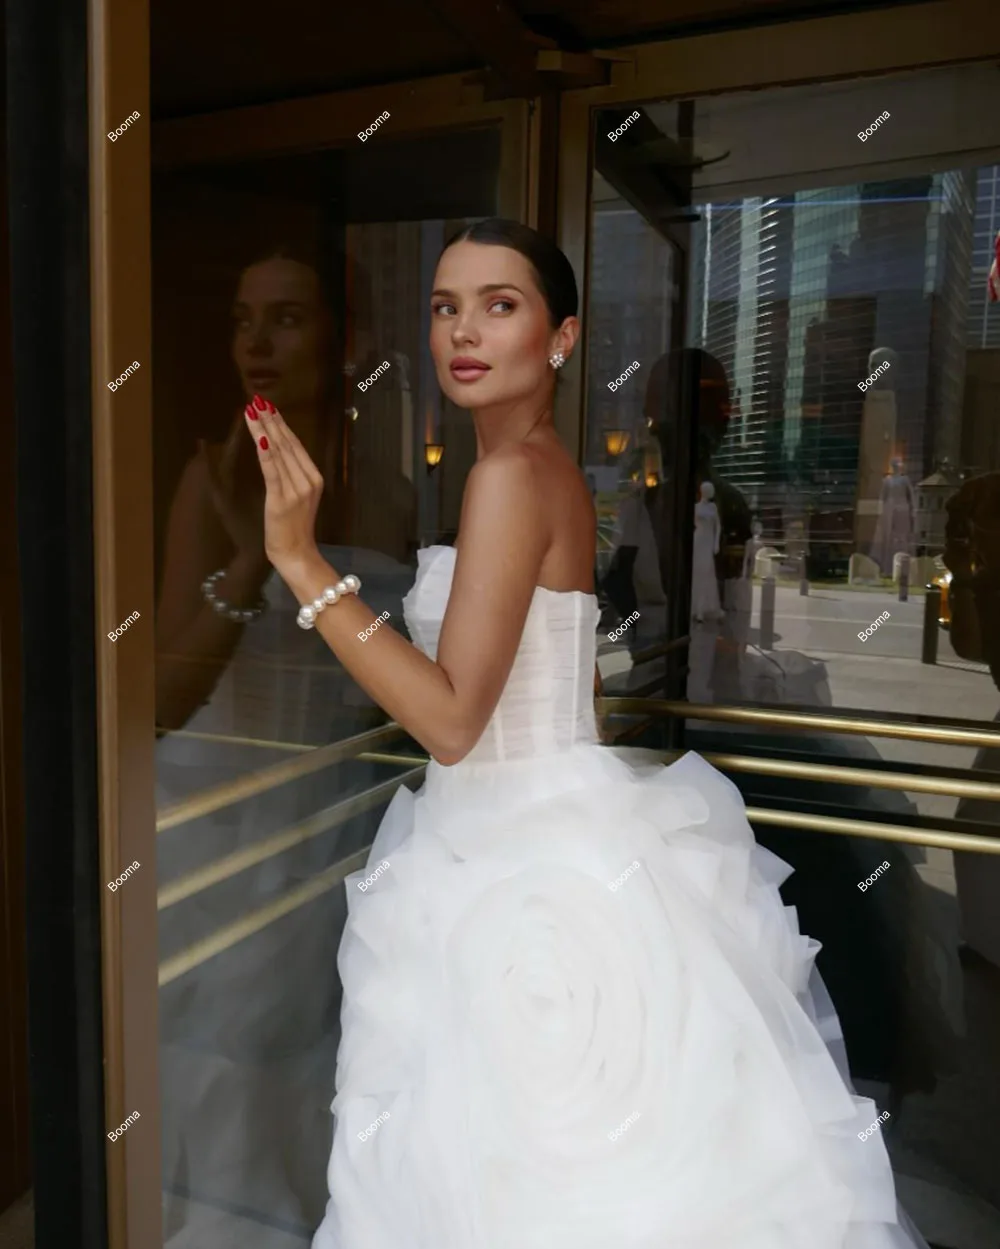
pixel 547 705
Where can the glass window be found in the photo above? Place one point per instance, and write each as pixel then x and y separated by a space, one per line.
pixel 792 419
pixel 306 279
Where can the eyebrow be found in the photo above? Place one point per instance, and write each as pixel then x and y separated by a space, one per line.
pixel 485 290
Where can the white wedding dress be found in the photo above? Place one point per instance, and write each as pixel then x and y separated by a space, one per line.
pixel 576 1013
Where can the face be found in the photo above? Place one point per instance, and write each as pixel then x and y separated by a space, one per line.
pixel 280 333
pixel 491 336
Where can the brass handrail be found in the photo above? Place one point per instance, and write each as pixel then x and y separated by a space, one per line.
pixel 254 921
pixel 938 837
pixel 940 734
pixel 216 797
pixel 249 856
pixel 230 739
pixel 837 775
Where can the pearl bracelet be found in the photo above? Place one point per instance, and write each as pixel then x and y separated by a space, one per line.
pixel 306 618
pixel 238 615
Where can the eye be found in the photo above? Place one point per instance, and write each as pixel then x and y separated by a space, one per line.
pixel 497 302
pixel 439 307
pixel 289 320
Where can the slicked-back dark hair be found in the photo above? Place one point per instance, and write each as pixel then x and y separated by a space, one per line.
pixel 553 271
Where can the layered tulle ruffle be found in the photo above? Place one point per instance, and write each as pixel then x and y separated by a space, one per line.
pixel 577 1014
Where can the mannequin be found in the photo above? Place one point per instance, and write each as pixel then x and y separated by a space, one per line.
pixel 895 528
pixel 877 439
pixel 707 534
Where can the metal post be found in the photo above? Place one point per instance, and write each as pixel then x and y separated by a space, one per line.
pixel 904 579
pixel 803 577
pixel 932 609
pixel 767 614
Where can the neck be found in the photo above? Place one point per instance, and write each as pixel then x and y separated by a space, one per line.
pixel 510 423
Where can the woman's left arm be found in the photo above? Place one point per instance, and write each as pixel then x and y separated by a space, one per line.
pixel 446 704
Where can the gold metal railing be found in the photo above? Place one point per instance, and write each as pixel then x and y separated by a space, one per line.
pixel 277 843
pixel 939 733
pixel 227 794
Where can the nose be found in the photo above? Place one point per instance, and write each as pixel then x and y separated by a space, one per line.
pixel 463 329
pixel 258 341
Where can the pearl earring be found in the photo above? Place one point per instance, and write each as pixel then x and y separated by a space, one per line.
pixel 557 360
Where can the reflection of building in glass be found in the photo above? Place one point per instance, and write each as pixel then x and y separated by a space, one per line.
pixel 794 296
pixel 980 449
pixel 631 268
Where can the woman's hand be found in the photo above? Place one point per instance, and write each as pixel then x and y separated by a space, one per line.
pixel 241 514
pixel 293 487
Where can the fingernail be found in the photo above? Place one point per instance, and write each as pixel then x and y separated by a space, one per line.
pixel 259 403
pixel 250 414
pixel 262 444
pixel 270 406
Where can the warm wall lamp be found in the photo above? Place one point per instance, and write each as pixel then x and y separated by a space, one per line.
pixel 433 451
pixel 615 441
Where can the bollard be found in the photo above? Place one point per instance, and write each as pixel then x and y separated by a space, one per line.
pixel 766 642
pixel 904 579
pixel 803 577
pixel 932 609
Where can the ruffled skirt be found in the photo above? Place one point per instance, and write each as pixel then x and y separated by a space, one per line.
pixel 578 1015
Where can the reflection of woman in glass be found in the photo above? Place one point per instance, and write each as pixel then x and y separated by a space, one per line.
pixel 568 975
pixel 240 1049
pixel 284 347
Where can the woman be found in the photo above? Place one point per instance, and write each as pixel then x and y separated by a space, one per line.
pixel 575 1011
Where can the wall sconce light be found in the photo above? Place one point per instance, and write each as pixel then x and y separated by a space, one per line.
pixel 652 479
pixel 433 451
pixel 615 441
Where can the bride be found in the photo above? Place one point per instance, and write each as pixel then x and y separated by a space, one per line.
pixel 576 1012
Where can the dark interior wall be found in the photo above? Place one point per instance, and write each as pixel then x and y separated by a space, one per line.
pixel 48 183
pixel 15 1159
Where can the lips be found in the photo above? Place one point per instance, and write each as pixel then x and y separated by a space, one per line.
pixel 262 376
pixel 466 369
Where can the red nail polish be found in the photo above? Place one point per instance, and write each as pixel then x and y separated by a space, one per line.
pixel 250 414
pixel 270 406
pixel 263 444
pixel 259 403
